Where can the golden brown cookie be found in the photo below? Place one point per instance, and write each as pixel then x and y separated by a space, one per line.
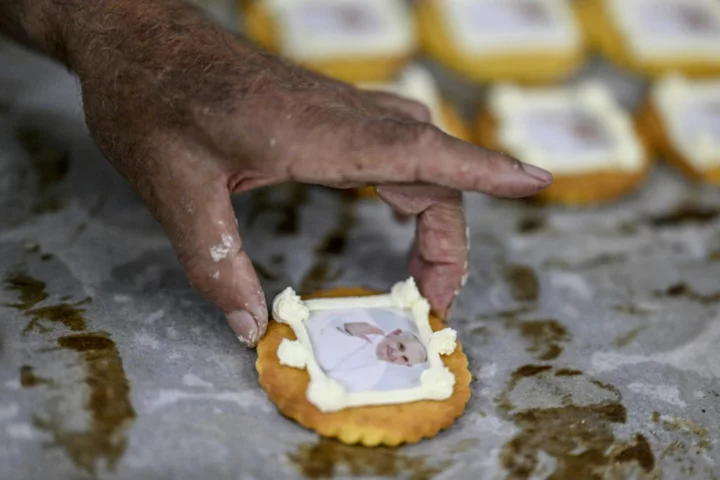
pixel 595 185
pixel 604 32
pixel 389 425
pixel 527 64
pixel 261 26
pixel 656 129
pixel 573 190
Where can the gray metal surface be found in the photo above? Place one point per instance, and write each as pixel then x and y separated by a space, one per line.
pixel 592 334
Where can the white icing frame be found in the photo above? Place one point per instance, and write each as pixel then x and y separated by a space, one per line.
pixel 296 43
pixel 671 96
pixel 508 104
pixel 436 382
pixel 562 37
pixel 662 46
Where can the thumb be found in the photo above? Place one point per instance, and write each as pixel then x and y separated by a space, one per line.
pixel 203 231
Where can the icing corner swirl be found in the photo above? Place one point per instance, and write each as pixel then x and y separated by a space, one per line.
pixel 444 341
pixel 327 395
pixel 406 293
pixel 293 353
pixel 289 308
pixel 438 383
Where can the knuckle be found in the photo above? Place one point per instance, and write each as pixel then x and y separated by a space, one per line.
pixel 312 114
pixel 420 111
pixel 384 132
pixel 402 107
pixel 197 268
pixel 427 137
pixel 510 162
pixel 211 290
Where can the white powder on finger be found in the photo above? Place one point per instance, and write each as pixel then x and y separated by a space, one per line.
pixel 221 250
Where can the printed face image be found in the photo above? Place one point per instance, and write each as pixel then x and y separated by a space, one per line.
pixel 401 348
pixel 368 349
pixel 338 19
pixel 703 119
pixel 677 18
pixel 506 15
pixel 566 132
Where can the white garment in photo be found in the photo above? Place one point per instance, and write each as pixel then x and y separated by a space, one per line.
pixel 349 360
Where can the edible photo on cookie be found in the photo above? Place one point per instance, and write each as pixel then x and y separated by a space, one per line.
pixel 317 29
pixel 369 350
pixel 687 115
pixel 677 18
pixel 339 19
pixel 660 28
pixel 502 24
pixel 510 14
pixel 567 130
pixel 578 132
pixel 703 120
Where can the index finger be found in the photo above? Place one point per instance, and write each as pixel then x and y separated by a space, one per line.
pixel 384 150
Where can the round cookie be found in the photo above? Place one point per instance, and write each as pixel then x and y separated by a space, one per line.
pixel 577 133
pixel 533 41
pixel 350 40
pixel 681 120
pixel 388 425
pixel 654 38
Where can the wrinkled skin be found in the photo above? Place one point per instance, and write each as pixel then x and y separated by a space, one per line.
pixel 190 115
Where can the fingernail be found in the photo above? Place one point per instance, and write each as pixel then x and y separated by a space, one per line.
pixel 245 327
pixel 537 173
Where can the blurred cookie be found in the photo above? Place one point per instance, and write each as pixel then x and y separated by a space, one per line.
pixel 352 406
pixel 655 37
pixel 417 83
pixel 502 40
pixel 578 133
pixel 351 40
pixel 682 121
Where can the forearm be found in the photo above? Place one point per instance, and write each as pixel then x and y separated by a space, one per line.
pixel 40 24
pixel 92 34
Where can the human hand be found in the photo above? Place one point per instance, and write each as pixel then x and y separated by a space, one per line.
pixel 190 115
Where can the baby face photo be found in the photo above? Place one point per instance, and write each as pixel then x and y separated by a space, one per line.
pixel 677 18
pixel 703 118
pixel 338 19
pixel 510 15
pixel 566 132
pixel 368 349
